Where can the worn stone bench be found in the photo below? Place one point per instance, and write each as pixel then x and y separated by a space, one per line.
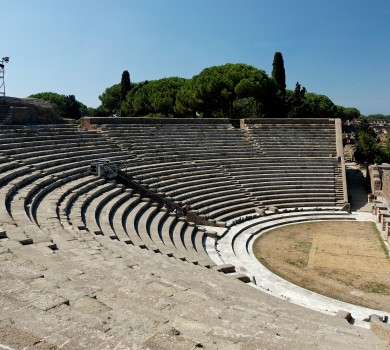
pixel 91 215
pixel 76 212
pixel 120 216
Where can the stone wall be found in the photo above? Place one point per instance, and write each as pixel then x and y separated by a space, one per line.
pixel 375 173
pixel 340 156
pixel 288 121
pixel 375 181
pixel 89 122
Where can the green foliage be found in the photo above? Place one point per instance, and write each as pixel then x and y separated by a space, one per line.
pixel 319 106
pixel 66 106
pixel 294 102
pixel 110 101
pixel 72 107
pixel 156 97
pixel 302 104
pixel 186 100
pixel 368 150
pixel 220 91
pixel 57 100
pixel 113 97
pixel 228 91
pixel 347 113
pixel 364 127
pixel 86 111
pixel 278 73
pixel 125 85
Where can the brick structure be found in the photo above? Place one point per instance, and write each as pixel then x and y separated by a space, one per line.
pixel 379 185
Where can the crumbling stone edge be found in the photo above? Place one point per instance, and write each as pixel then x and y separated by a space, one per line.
pixel 380 328
pixel 378 324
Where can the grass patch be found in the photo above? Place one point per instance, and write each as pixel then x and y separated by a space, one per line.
pixel 375 287
pixel 303 247
pixel 378 234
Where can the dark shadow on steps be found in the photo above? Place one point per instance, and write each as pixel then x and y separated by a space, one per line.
pixel 357 192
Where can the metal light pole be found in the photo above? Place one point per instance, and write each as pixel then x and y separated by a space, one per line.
pixel 2 82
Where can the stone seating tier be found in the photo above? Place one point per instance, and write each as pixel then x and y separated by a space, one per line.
pixel 175 183
pixel 88 277
pixel 119 217
pixel 108 212
pixel 83 312
pixel 93 208
pixel 91 214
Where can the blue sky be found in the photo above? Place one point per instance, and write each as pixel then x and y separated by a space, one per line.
pixel 339 48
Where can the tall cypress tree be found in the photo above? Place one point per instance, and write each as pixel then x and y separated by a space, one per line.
pixel 125 85
pixel 278 72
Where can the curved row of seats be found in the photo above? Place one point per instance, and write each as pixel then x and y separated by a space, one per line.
pixel 178 142
pixel 203 185
pixel 89 273
pixel 306 154
pixel 220 188
pixel 79 198
pixel 97 293
pixel 110 210
pixel 71 197
pixel 58 179
pixel 294 139
pixel 211 188
pixel 291 182
pixel 235 247
pixel 40 160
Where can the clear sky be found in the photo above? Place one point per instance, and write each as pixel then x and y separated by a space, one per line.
pixel 339 48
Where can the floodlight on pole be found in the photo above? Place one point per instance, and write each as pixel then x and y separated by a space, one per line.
pixel 4 60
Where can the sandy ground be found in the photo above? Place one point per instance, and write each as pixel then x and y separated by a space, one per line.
pixel 343 260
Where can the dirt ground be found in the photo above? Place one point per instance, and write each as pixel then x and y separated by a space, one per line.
pixel 341 259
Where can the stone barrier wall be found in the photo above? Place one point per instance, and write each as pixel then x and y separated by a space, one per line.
pixel 375 181
pixel 340 156
pixel 288 121
pixel 88 122
pixel 375 173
